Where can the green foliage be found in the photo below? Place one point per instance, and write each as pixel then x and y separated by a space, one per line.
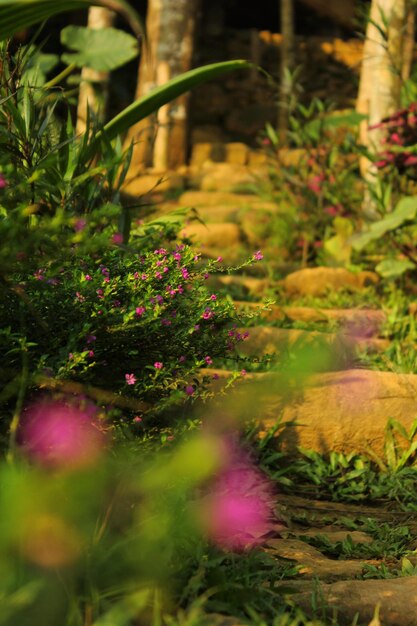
pixel 404 212
pixel 103 49
pixel 15 15
pixel 315 181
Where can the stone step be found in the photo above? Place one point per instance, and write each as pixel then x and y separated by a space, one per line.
pixel 213 240
pixel 344 411
pixel 361 322
pixel 317 281
pixel 339 347
pixel 220 198
pixel 229 177
pixel 355 601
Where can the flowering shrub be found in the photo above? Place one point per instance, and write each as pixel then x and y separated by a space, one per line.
pixel 313 175
pixel 137 325
pixel 400 140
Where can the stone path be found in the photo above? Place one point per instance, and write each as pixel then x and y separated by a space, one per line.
pixel 339 408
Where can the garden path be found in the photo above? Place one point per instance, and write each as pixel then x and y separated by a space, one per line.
pixel 343 408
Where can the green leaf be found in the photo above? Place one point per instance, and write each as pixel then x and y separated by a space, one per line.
pixel 15 15
pixel 152 101
pixel 405 211
pixel 102 49
pixel 391 268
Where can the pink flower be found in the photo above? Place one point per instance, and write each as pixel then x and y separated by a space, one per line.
pixel 117 238
pixel 3 181
pixel 158 365
pixel 140 310
pixel 137 419
pixel 189 390
pixel 213 297
pixel 258 256
pixel 208 360
pixel 91 353
pixel 208 314
pixel 130 379
pixel 60 434
pixel 219 259
pixel 39 274
pixel 80 225
pixel 87 277
pixel 238 511
pixel 332 210
pixel 243 373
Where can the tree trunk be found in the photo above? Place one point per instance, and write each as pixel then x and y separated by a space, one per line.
pixel 161 141
pixel 287 62
pixel 386 61
pixel 94 84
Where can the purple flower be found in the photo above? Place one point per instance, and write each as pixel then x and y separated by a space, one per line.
pixel 91 338
pixel 130 379
pixel 189 390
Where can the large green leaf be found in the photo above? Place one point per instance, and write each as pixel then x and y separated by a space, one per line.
pixel 15 15
pixel 102 49
pixel 156 98
pixel 405 211
pixel 392 268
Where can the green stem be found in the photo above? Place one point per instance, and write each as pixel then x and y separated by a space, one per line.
pixel 60 77
pixel 14 426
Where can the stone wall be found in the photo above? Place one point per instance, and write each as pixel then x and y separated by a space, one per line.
pixel 237 106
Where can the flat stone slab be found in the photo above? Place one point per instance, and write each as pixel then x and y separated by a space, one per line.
pixel 317 281
pixel 363 322
pixel 312 563
pixel 211 235
pixel 342 347
pixel 343 411
pixel 217 198
pixel 397 598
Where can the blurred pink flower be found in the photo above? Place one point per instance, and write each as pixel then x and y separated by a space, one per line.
pixel 61 434
pixel 117 238
pixel 158 365
pixel 130 379
pixel 3 181
pixel 238 511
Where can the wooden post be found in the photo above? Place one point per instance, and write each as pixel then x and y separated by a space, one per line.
pixel 287 62
pixel 94 84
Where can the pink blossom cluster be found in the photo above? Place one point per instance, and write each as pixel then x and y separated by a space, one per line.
pixel 401 137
